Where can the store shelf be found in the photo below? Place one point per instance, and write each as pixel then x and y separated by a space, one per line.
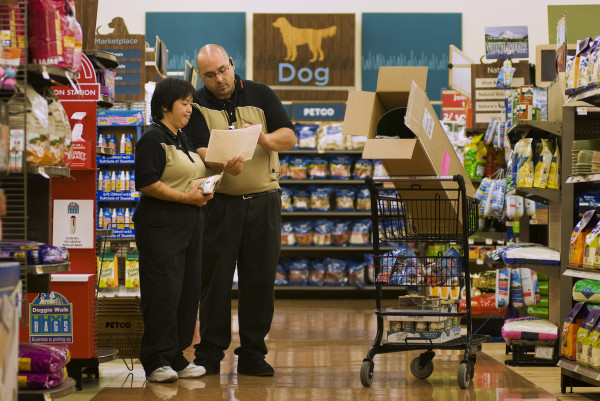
pixel 574 179
pixel 591 97
pixel 108 60
pixel 577 371
pixel 117 196
pixel 322 182
pixel 116 159
pixel 39 75
pixel 321 152
pixel 582 273
pixel 48 269
pixel 66 388
pixel 550 270
pixel 49 171
pixel 105 101
pixel 491 235
pixel 326 214
pixel 553 127
pixel 104 232
pixel 542 195
pixel 104 151
pixel 119 233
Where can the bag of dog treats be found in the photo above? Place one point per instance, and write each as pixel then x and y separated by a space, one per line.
pixel 574 320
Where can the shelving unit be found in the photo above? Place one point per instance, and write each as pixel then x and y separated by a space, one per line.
pixel 576 126
pixel 322 252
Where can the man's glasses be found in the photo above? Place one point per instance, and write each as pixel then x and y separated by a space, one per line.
pixel 220 71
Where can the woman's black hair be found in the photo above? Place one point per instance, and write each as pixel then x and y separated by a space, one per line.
pixel 167 92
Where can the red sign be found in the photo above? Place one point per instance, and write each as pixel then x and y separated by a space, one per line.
pixel 452 99
pixel 454 106
pixel 85 92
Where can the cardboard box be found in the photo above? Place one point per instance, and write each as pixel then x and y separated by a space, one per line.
pixel 429 152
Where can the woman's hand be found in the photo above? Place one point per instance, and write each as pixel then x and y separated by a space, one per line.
pixel 196 197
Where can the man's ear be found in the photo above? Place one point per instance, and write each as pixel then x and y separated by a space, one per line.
pixel 230 60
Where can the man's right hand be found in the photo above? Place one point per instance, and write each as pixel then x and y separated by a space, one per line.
pixel 234 166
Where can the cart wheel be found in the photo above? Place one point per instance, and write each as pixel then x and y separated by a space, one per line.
pixel 421 373
pixel 463 375
pixel 366 373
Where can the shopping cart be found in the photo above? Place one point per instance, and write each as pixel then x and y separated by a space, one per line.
pixel 418 214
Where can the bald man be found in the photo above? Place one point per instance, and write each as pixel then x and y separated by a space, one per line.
pixel 243 222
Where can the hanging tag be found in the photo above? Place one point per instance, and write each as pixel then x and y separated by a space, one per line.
pixel 45 73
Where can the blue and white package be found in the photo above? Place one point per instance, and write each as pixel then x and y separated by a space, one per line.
pixel 361 231
pixel 300 199
pixel 316 273
pixel 363 168
pixel 502 287
pixel 516 288
pixel 318 168
pixel 297 271
pixel 337 273
pixel 356 273
pixel 281 273
pixel 320 198
pixel 322 232
pixel 340 166
pixel 344 199
pixel 286 199
pixel 307 135
pixel 363 199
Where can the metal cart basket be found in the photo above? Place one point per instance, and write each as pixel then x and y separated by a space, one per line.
pixel 423 211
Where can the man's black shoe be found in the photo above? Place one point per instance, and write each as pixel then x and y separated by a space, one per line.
pixel 255 367
pixel 212 367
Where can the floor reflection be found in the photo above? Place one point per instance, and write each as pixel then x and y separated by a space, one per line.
pixel 317 348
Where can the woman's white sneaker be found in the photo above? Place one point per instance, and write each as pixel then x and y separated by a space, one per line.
pixel 164 374
pixel 191 372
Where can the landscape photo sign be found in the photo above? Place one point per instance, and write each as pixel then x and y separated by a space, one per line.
pixel 506 42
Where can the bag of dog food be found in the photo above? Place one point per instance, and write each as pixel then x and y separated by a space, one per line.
pixel 577 242
pixel 584 330
pixel 571 325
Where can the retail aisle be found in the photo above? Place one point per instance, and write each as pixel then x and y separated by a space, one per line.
pixel 316 348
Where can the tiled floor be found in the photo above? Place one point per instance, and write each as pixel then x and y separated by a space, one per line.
pixel 317 348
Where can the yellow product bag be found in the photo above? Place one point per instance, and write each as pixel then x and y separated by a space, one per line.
pixel 108 270
pixel 132 270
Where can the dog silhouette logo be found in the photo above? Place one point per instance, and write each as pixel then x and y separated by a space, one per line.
pixel 293 37
pixel 118 26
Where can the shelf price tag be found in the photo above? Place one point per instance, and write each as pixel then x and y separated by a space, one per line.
pixel 489 241
pixel 542 352
pixel 471 241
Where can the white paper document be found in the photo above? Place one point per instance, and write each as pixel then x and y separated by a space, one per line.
pixel 224 145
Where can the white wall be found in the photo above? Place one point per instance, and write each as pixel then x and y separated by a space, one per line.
pixel 476 15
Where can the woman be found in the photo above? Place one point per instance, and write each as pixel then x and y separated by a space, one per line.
pixel 168 232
